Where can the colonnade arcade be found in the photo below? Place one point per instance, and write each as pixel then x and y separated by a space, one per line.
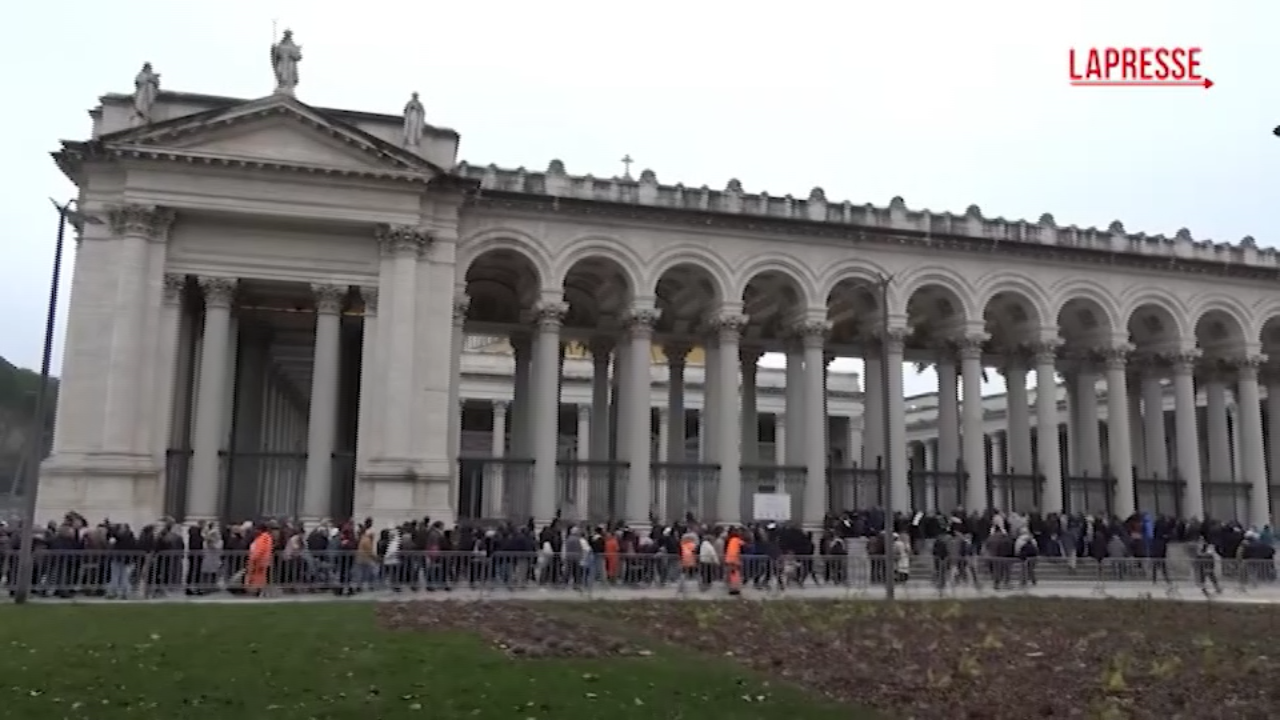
pixel 314 407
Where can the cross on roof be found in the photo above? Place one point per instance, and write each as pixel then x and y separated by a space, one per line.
pixel 626 164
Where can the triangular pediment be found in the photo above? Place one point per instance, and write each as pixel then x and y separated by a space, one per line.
pixel 278 130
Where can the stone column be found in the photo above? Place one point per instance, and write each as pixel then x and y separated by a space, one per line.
pixel 1273 417
pixel 948 411
pixel 1088 417
pixel 659 485
pixel 640 324
pixel 206 476
pixel 405 244
pixel 709 424
pixel 133 226
pixel 1121 457
pixel 873 411
pixel 896 439
pixel 855 441
pixel 168 339
pixel 729 328
pixel 582 478
pixel 544 411
pixel 1253 453
pixel 748 358
pixel 461 304
pixel 322 422
pixel 1153 431
pixel 676 357
pixel 1071 383
pixel 975 446
pixel 1186 433
pixel 1018 414
pixel 1137 438
pixel 1046 358
pixel 368 439
pixel 521 395
pixel 813 336
pixel 494 483
pixel 792 450
pixel 1215 393
pixel 601 353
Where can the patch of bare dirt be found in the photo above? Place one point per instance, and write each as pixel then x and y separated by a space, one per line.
pixel 1011 658
pixel 518 629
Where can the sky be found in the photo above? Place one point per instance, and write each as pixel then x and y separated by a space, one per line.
pixel 945 104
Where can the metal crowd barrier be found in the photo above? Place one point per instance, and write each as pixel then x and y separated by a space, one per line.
pixel 138 575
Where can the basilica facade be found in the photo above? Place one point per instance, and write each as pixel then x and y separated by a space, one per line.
pixel 272 316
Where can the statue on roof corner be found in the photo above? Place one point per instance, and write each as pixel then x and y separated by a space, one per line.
pixel 285 56
pixel 414 122
pixel 146 88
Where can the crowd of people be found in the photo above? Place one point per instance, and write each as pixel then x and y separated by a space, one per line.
pixel 74 557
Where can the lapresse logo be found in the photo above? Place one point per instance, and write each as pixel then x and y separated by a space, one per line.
pixel 1137 67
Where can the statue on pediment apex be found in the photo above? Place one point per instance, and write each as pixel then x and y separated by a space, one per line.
pixel 285 56
pixel 415 121
pixel 146 89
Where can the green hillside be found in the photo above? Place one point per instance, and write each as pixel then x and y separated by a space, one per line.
pixel 17 407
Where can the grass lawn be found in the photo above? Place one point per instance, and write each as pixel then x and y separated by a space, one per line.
pixel 329 661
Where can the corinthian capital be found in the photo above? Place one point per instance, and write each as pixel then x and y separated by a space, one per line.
pixel 145 221
pixel 402 239
pixel 328 298
pixel 550 315
pixel 218 291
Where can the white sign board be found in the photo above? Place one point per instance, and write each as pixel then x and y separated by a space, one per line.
pixel 771 506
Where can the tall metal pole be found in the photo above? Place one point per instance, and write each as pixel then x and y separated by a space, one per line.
pixel 886 419
pixel 36 436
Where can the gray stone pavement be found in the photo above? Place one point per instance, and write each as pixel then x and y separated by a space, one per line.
pixel 916 591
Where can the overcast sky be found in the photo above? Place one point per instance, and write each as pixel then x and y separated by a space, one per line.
pixel 946 104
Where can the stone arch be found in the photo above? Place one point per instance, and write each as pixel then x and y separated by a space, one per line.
pixel 1248 320
pixel 854 307
pixel 1014 308
pixel 1083 293
pixel 516 240
pixel 933 276
pixel 1269 337
pixel 719 272
pixel 774 294
pixel 598 246
pixel 1008 281
pixel 857 270
pixel 598 290
pixel 501 283
pixel 1220 332
pixel 754 267
pixel 1155 319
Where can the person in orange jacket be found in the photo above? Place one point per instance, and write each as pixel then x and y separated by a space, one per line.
pixel 260 552
pixel 733 562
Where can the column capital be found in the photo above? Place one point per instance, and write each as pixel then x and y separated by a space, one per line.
pixel 677 353
pixel 369 296
pixel 175 285
pixel 500 406
pixel 970 347
pixel 549 315
pixel 461 304
pixel 1249 365
pixel 895 338
pixel 749 356
pixel 1115 357
pixel 145 221
pixel 641 321
pixel 328 298
pixel 812 333
pixel 402 239
pixel 218 291
pixel 584 411
pixel 1183 362
pixel 1045 351
pixel 728 326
